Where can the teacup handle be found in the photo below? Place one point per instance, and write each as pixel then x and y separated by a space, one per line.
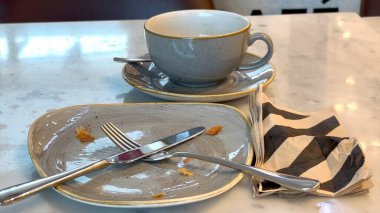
pixel 253 38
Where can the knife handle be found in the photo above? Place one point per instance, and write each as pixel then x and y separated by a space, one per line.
pixel 18 192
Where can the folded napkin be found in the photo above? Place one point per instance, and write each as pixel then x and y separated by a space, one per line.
pixel 312 145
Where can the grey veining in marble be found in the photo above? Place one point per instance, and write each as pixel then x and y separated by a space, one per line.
pixel 323 61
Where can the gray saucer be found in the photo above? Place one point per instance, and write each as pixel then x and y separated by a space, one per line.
pixel 147 78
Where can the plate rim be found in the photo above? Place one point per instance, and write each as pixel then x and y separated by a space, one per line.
pixel 192 97
pixel 138 204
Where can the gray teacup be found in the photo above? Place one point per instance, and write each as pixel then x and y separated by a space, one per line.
pixel 199 48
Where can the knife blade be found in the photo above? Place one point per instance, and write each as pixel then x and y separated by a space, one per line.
pixel 157 146
pixel 18 192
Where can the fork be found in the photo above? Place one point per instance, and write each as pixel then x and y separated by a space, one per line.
pixel 288 181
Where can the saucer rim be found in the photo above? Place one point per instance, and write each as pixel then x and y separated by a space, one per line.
pixel 181 95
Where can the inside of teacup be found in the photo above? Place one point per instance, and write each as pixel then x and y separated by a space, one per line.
pixel 197 23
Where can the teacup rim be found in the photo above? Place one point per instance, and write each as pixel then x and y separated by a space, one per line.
pixel 246 28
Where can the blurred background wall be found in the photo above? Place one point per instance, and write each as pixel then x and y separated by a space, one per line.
pixel 79 10
pixel 272 7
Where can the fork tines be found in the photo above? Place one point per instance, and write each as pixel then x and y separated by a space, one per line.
pixel 118 137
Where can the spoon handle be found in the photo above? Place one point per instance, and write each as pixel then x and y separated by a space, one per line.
pixel 287 181
pixel 131 60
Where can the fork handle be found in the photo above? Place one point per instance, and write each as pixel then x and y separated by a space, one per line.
pixel 18 192
pixel 287 181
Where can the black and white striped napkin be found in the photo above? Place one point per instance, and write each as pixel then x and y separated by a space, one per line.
pixel 312 145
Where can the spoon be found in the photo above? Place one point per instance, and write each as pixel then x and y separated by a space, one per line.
pixel 287 181
pixel 131 60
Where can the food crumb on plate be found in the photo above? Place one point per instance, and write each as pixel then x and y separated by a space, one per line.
pixel 187 160
pixel 185 172
pixel 214 130
pixel 83 134
pixel 158 195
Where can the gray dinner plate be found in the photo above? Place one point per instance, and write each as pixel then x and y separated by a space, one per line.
pixel 54 148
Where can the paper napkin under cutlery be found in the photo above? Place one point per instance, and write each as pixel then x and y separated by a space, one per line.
pixel 312 145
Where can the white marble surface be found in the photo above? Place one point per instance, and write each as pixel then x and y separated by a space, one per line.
pixel 373 22
pixel 323 61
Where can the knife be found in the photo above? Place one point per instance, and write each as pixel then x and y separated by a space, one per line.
pixel 18 192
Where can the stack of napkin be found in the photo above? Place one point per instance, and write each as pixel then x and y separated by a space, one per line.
pixel 312 145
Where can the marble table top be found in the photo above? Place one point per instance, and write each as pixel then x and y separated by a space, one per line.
pixel 373 22
pixel 323 61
